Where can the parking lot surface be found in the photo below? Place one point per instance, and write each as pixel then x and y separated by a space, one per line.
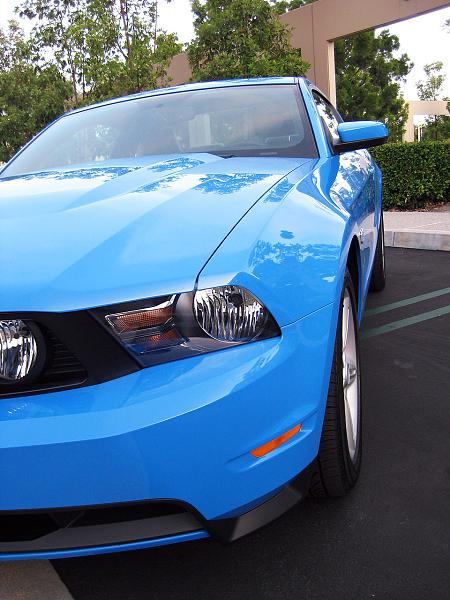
pixel 388 539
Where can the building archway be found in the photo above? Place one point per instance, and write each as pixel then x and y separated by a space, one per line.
pixel 316 26
pixel 422 108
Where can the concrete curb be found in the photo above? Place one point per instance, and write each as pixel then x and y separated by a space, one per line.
pixel 424 240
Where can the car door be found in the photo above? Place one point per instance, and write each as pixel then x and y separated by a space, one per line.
pixel 354 184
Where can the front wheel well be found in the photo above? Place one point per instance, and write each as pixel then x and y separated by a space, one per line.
pixel 353 267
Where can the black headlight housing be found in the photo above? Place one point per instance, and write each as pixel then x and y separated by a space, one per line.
pixel 168 328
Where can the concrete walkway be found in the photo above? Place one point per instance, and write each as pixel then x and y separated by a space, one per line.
pixel 428 230
pixel 31 580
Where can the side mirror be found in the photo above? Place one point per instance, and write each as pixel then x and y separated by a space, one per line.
pixel 356 135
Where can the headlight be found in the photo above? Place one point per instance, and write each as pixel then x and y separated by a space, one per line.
pixel 18 350
pixel 229 314
pixel 172 327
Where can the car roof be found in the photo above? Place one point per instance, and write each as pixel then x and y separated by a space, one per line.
pixel 193 86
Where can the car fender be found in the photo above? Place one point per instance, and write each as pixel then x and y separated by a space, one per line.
pixel 291 248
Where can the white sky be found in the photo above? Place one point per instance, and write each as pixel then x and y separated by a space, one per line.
pixel 424 38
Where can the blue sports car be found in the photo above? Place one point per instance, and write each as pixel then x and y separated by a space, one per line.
pixel 182 277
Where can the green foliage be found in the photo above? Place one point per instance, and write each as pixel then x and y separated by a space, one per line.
pixel 414 174
pixel 284 6
pixel 241 38
pixel 368 77
pixel 13 46
pixel 31 94
pixel 431 88
pixel 437 127
pixel 105 48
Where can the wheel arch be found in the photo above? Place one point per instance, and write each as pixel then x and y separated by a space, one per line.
pixel 354 267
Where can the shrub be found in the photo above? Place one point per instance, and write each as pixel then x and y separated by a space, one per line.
pixel 414 173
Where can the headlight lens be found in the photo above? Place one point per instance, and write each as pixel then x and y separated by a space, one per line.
pixel 18 350
pixel 229 313
pixel 171 327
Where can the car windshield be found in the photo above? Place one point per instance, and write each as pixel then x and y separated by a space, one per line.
pixel 251 120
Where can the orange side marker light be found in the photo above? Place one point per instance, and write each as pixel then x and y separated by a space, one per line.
pixel 276 442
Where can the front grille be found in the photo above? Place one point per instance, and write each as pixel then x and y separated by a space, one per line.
pixel 62 366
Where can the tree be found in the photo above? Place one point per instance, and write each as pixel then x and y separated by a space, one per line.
pixel 105 47
pixel 32 93
pixel 431 88
pixel 368 77
pixel 13 46
pixel 437 127
pixel 241 38
pixel 284 6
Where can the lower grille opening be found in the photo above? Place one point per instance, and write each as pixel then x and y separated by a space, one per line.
pixel 62 368
pixel 25 527
pixel 102 516
pixel 28 526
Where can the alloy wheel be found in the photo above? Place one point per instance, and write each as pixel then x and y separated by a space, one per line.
pixel 350 376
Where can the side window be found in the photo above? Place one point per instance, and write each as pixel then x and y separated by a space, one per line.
pixel 329 116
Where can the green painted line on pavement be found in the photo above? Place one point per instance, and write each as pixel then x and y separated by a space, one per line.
pixel 406 302
pixel 438 312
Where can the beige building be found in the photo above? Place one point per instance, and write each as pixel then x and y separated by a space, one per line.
pixel 316 26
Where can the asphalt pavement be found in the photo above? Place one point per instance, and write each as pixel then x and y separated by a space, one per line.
pixel 388 539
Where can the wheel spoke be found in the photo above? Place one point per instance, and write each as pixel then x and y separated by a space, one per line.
pixel 352 373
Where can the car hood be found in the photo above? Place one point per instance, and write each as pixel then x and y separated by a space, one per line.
pixel 74 238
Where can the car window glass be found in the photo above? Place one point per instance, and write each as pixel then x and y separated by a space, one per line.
pixel 254 120
pixel 329 116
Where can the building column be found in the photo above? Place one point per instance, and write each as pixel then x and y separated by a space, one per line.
pixel 324 69
pixel 409 133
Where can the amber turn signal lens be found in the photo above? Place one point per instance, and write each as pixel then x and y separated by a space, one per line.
pixel 276 442
pixel 140 319
pixel 164 339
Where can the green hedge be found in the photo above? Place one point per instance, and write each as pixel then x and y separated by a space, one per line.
pixel 414 173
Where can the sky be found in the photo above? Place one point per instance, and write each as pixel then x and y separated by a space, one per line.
pixel 424 38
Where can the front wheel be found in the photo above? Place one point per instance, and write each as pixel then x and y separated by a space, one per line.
pixel 339 459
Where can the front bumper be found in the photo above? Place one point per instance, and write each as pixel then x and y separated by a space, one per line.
pixel 107 529
pixel 181 432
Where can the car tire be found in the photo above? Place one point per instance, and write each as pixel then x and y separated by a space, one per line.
pixel 338 462
pixel 378 279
